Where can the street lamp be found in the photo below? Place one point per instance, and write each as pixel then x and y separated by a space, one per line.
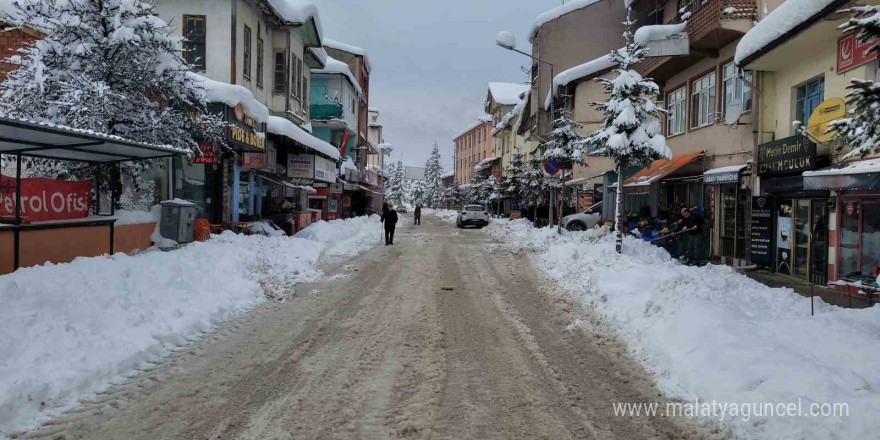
pixel 507 40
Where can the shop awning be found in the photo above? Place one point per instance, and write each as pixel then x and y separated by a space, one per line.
pixel 660 169
pixel 862 174
pixel 287 184
pixel 368 189
pixel 50 141
pixel 728 174
pixel 485 163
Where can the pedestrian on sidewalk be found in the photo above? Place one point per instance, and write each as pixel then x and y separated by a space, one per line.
pixel 694 222
pixel 389 219
pixel 417 214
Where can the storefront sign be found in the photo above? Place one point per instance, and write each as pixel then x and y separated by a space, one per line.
pixel 761 249
pixel 210 155
pixel 719 178
pixel 325 169
pixel 337 188
pixel 301 166
pixel 332 204
pixel 46 199
pixel 852 53
pixel 256 161
pixel 830 110
pixel 343 144
pixel 784 236
pixel 791 155
pixel 244 132
pixel 712 199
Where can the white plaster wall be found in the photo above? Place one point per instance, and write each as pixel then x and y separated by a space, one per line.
pixel 218 14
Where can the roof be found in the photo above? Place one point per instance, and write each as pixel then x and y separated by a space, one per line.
pixel 725 170
pixel 507 93
pixel 855 167
pixel 516 112
pixel 661 168
pixel 576 73
pixel 555 13
pixel 51 141
pixel 484 163
pixel 860 174
pixel 483 120
pixel 787 20
pixel 336 67
pixel 448 174
pixel 232 95
pixel 283 127
pixel 299 13
pixel 345 47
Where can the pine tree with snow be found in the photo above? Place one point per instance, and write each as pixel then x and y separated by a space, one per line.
pixel 394 190
pixel 434 179
pixel 416 192
pixel 453 196
pixel 861 131
pixel 109 66
pixel 564 144
pixel 515 184
pixel 630 133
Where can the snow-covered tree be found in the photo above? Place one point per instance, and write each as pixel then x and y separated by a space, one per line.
pixel 394 189
pixel 564 144
pixel 434 179
pixel 515 183
pixel 630 133
pixel 453 196
pixel 861 130
pixel 109 66
pixel 416 191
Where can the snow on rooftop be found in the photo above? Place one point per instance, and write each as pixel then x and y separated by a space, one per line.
pixel 856 167
pixel 232 95
pixel 298 11
pixel 555 13
pixel 725 170
pixel 783 19
pixel 655 32
pixel 516 112
pixel 577 72
pixel 485 119
pixel 281 126
pixel 447 174
pixel 507 93
pixel 336 67
pixel 320 53
pixel 345 47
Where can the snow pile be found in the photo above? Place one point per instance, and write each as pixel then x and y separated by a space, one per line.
pixel 712 333
pixel 779 22
pixel 507 93
pixel 344 237
pixel 298 12
pixel 658 32
pixel 516 112
pixel 232 95
pixel 281 126
pixel 336 67
pixel 126 217
pixel 855 167
pixel 555 13
pixel 589 68
pixel 70 330
pixel 448 215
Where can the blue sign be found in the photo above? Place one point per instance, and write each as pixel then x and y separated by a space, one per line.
pixel 551 167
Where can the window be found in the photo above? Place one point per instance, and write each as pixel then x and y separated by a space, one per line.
pixel 305 94
pixel 676 111
pixel 280 77
pixel 194 47
pixel 860 240
pixel 260 58
pixel 703 101
pixel 735 88
pixel 247 52
pixel 808 97
pixel 295 76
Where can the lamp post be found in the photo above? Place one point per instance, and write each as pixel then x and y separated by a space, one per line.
pixel 507 40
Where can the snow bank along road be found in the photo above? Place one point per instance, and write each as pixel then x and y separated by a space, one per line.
pixel 435 337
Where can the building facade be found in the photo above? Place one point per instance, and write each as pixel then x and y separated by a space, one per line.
pixel 472 146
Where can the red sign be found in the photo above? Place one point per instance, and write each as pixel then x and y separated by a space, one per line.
pixel 551 167
pixel 851 53
pixel 210 155
pixel 253 160
pixel 849 208
pixel 711 202
pixel 46 199
pixel 343 144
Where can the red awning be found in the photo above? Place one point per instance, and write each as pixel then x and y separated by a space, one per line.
pixel 659 169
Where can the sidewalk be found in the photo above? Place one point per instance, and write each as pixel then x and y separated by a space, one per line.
pixel 829 295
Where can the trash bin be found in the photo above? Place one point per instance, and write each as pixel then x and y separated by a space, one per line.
pixel 178 220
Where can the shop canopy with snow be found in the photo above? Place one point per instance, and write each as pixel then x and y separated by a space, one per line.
pixel 681 179
pixel 34 210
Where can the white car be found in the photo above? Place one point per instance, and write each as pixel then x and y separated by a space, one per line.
pixel 583 220
pixel 472 215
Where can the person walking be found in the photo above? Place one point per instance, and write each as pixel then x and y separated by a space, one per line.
pixel 417 214
pixel 389 219
pixel 693 222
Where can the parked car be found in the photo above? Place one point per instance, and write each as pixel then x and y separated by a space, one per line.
pixel 472 215
pixel 583 220
pixel 401 209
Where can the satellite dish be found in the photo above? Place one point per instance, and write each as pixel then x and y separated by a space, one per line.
pixel 732 111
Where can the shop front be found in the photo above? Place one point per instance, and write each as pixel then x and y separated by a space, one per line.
pixel 799 214
pixel 322 173
pixel 665 185
pixel 729 200
pixel 854 222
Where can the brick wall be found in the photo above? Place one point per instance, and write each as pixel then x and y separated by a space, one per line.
pixel 10 42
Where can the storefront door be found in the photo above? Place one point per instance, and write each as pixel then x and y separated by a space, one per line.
pixel 802 239
pixel 860 240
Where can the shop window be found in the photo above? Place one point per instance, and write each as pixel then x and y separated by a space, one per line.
pixel 808 97
pixel 735 88
pixel 676 108
pixel 860 240
pixel 280 75
pixel 317 204
pixel 703 101
pixel 247 53
pixel 194 47
pixel 870 258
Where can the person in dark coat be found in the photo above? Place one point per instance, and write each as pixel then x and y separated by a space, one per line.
pixel 389 219
pixel 694 222
pixel 417 215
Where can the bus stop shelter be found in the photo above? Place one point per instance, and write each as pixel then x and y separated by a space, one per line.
pixel 26 243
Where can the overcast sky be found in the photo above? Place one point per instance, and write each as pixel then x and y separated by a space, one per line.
pixel 431 61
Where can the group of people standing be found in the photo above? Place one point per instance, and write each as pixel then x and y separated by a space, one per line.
pixel 389 219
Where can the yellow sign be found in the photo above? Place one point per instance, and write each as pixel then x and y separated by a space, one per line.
pixel 828 111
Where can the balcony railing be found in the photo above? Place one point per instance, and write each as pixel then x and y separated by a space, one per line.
pixel 326 111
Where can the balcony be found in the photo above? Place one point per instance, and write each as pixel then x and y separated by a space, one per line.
pixel 326 111
pixel 712 25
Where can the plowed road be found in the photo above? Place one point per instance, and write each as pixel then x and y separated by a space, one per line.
pixel 437 336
